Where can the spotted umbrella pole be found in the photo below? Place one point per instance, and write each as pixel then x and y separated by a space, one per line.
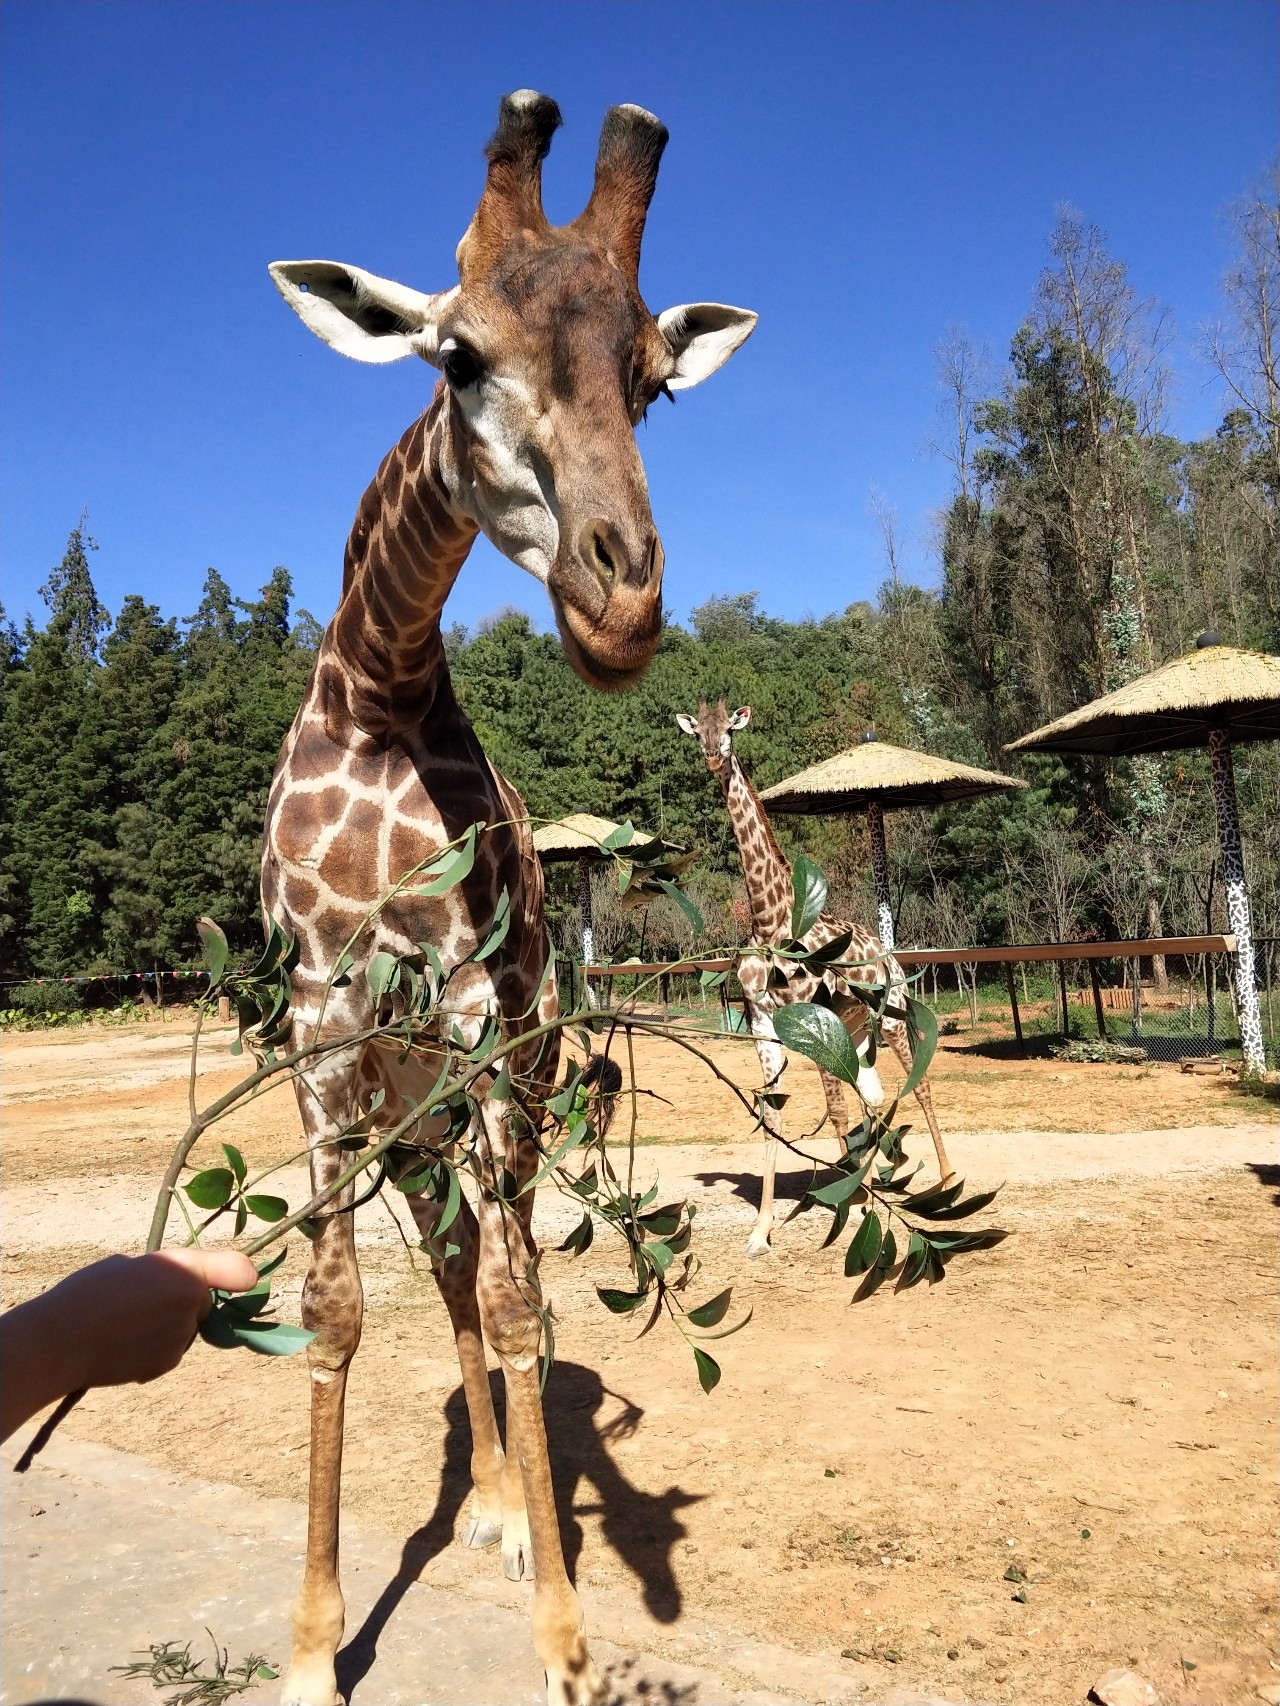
pixel 588 943
pixel 1238 919
pixel 880 872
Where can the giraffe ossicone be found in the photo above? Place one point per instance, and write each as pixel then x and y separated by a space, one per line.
pixel 767 873
pixel 549 359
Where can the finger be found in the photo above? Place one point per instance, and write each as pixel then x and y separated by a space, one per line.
pixel 225 1270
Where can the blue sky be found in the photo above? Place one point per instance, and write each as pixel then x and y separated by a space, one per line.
pixel 862 175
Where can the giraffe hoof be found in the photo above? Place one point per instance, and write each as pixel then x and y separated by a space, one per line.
pixel 517 1549
pixel 482 1531
pixel 757 1245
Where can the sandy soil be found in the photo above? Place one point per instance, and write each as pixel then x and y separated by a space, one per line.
pixel 1092 1403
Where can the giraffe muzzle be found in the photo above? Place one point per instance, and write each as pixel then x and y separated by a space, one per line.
pixel 607 596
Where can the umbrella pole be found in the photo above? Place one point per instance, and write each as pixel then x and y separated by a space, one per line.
pixel 880 872
pixel 1238 921
pixel 588 945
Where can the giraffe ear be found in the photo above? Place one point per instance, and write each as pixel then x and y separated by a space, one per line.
pixel 688 724
pixel 702 336
pixel 740 719
pixel 359 314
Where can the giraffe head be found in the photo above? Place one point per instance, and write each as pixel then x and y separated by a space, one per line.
pixel 550 360
pixel 713 729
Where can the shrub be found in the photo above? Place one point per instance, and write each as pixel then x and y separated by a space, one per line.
pixel 46 1001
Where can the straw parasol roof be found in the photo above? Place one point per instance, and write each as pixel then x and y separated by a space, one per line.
pixel 1215 686
pixel 579 836
pixel 876 772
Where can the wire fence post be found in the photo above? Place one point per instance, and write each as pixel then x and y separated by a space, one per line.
pixel 1097 1000
pixel 1013 1003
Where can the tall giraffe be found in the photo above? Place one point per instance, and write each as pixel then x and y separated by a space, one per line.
pixel 768 878
pixel 550 359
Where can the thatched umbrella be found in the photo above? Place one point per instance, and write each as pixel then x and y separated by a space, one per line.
pixel 876 777
pixel 1212 697
pixel 581 836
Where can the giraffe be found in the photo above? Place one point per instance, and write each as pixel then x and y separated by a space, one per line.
pixel 768 877
pixel 549 360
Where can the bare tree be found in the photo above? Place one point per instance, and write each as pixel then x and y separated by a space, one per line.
pixel 1247 351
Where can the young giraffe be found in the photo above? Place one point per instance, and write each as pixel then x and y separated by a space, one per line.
pixel 768 879
pixel 550 359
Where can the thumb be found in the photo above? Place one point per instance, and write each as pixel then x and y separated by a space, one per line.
pixel 227 1270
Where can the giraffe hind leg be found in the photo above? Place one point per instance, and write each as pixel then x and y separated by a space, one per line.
pixel 895 1034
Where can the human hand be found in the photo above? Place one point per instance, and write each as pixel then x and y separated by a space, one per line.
pixel 123 1319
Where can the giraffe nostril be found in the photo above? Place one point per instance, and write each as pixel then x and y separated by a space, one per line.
pixel 604 564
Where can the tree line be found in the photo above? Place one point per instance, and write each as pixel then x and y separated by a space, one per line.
pixel 1081 545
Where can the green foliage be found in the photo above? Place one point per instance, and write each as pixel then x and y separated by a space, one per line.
pixel 46 1000
pixel 168 1665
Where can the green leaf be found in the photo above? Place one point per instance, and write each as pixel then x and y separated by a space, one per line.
pixel 498 929
pixel 708 1370
pixel 660 1254
pixel 971 1205
pixel 622 836
pixel 826 952
pixel 711 979
pixel 383 973
pixel 840 1190
pixel 922 1028
pixel 662 1222
pixel 711 1313
pixel 212 1188
pixel 809 888
pixel 235 1161
pixel 500 1089
pixel 916 1265
pixel 681 899
pixel 272 1262
pixel 452 1201
pixel 816 1032
pixel 880 1272
pixel 952 1243
pixel 561 1104
pixel 580 1238
pixel 936 1201
pixel 864 1246
pixel 213 944
pixel 451 868
pixel 272 1338
pixel 267 1208
pixel 620 1302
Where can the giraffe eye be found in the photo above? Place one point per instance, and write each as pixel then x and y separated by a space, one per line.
pixel 461 366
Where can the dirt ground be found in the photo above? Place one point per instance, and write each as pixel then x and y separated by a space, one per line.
pixel 1092 1404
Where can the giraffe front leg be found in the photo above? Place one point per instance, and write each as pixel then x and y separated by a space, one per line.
pixel 769 1053
pixel 510 1299
pixel 332 1307
pixel 455 1276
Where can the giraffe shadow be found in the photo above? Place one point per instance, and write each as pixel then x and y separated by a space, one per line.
pixel 787 1187
pixel 1267 1174
pixel 641 1528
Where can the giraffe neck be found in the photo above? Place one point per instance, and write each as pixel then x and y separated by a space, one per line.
pixel 764 864
pixel 382 663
